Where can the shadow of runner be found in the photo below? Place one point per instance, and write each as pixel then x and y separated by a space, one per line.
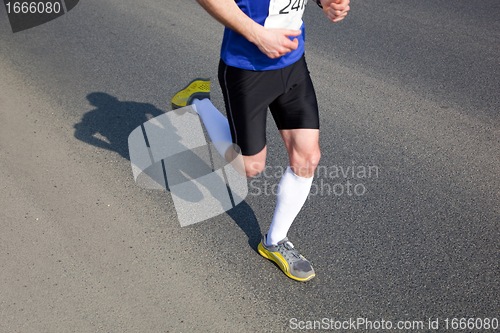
pixel 245 218
pixel 109 125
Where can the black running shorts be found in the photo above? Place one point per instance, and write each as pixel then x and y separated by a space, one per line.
pixel 288 92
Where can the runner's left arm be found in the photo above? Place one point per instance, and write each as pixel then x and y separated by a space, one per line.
pixel 336 10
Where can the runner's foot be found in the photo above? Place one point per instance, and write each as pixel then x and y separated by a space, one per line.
pixel 291 262
pixel 198 88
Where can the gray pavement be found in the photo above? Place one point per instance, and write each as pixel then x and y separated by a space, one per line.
pixel 407 90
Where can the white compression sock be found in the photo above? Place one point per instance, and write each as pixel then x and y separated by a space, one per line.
pixel 292 194
pixel 216 124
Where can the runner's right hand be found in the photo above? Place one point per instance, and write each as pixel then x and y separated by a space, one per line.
pixel 275 42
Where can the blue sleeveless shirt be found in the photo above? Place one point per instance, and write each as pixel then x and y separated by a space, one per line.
pixel 237 51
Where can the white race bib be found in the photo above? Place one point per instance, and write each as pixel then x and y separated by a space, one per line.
pixel 285 14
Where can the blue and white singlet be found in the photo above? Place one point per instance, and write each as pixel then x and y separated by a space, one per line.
pixel 237 51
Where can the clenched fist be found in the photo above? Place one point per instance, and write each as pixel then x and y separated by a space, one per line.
pixel 336 10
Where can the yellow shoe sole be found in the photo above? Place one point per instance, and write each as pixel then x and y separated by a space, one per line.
pixel 198 88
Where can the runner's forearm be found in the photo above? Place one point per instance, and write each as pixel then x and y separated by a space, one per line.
pixel 230 15
pixel 272 42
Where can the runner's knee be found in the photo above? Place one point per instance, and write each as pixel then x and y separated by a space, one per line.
pixel 255 164
pixel 254 168
pixel 304 164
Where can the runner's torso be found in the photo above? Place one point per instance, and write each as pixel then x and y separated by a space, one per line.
pixel 237 51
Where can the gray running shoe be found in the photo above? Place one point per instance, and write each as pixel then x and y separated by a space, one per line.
pixel 291 262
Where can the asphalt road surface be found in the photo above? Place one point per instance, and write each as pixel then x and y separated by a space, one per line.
pixel 409 90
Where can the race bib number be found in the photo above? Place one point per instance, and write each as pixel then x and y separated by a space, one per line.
pixel 285 14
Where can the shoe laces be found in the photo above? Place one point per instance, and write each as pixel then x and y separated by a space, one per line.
pixel 290 249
